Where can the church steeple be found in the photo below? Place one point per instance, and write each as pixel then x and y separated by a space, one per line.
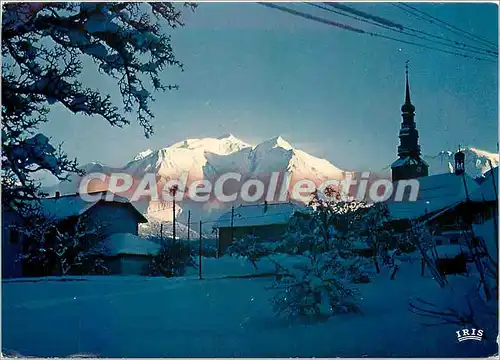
pixel 409 165
pixel 407 94
pixel 407 109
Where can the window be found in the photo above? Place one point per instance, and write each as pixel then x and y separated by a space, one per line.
pixel 454 240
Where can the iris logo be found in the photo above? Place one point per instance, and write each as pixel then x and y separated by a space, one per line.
pixel 472 334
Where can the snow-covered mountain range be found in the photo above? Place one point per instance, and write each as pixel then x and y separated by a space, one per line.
pixel 208 158
pixel 476 161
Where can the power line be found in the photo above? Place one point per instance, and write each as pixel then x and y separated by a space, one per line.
pixel 466 56
pixel 452 28
pixel 400 29
pixel 361 31
pixel 377 19
pixel 312 17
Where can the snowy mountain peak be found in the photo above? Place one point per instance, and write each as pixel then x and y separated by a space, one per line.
pixel 228 136
pixel 489 156
pixel 275 142
pixel 143 154
pixel 477 161
pixel 223 145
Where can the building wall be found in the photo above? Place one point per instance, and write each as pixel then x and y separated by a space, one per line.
pixel 134 265
pixel 409 172
pixel 112 218
pixel 114 266
pixel 128 265
pixel 224 239
pixel 265 233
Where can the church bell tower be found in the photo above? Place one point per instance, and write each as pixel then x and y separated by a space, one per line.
pixel 409 165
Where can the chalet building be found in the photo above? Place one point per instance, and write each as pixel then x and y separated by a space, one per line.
pixel 409 164
pixel 125 254
pixel 438 195
pixel 102 217
pixel 486 224
pixel 266 221
pixel 109 217
pixel 450 202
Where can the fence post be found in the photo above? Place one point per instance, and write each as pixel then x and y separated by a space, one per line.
pixel 200 255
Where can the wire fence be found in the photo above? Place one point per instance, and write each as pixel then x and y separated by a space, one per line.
pixel 203 239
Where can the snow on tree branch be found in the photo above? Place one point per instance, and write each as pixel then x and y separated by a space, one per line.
pixel 43 44
pixel 44 49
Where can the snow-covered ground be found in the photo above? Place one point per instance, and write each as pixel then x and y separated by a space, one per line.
pixel 217 317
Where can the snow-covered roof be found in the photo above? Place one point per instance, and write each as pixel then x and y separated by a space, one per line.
pixel 407 160
pixel 65 206
pixel 436 193
pixel 125 244
pixel 258 215
pixel 486 191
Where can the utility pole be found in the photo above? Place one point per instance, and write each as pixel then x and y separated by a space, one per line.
pixel 200 255
pixel 173 230
pixel 218 242
pixel 173 193
pixel 232 224
pixel 189 228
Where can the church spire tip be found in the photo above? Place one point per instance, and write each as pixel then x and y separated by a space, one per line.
pixel 407 95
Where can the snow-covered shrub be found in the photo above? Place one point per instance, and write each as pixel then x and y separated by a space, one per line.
pixel 373 222
pixel 96 266
pixel 57 247
pixel 356 270
pixel 320 290
pixel 251 248
pixel 172 260
pixel 325 285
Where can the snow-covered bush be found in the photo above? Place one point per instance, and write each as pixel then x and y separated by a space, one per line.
pixel 324 286
pixel 172 260
pixel 58 247
pixel 252 248
pixel 374 224
pixel 318 290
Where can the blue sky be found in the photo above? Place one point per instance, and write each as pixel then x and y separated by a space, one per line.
pixel 256 72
